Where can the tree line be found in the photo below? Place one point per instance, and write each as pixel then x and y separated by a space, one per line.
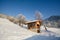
pixel 20 18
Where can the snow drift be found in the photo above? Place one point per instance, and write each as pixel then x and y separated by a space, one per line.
pixel 11 31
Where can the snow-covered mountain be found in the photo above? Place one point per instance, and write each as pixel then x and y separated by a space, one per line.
pixel 52 21
pixel 53 18
pixel 11 31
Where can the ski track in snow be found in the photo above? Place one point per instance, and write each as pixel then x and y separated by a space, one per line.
pixel 11 31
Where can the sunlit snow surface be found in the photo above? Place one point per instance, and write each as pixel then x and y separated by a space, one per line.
pixel 11 31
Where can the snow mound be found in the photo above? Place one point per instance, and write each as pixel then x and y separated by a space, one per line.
pixel 11 31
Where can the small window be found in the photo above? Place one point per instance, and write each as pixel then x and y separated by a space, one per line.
pixel 37 24
pixel 38 31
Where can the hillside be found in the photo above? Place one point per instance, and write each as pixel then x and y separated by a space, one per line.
pixel 52 21
pixel 11 31
pixel 53 18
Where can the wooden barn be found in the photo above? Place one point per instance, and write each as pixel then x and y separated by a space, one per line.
pixel 34 25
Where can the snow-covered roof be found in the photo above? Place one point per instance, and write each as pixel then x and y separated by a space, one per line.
pixel 32 21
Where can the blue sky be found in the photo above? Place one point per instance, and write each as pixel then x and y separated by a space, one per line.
pixel 28 7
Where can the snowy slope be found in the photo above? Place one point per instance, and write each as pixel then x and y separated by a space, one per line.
pixel 50 34
pixel 11 31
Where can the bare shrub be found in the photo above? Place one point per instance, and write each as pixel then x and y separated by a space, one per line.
pixel 38 15
pixel 22 19
pixel 10 18
pixel 3 16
